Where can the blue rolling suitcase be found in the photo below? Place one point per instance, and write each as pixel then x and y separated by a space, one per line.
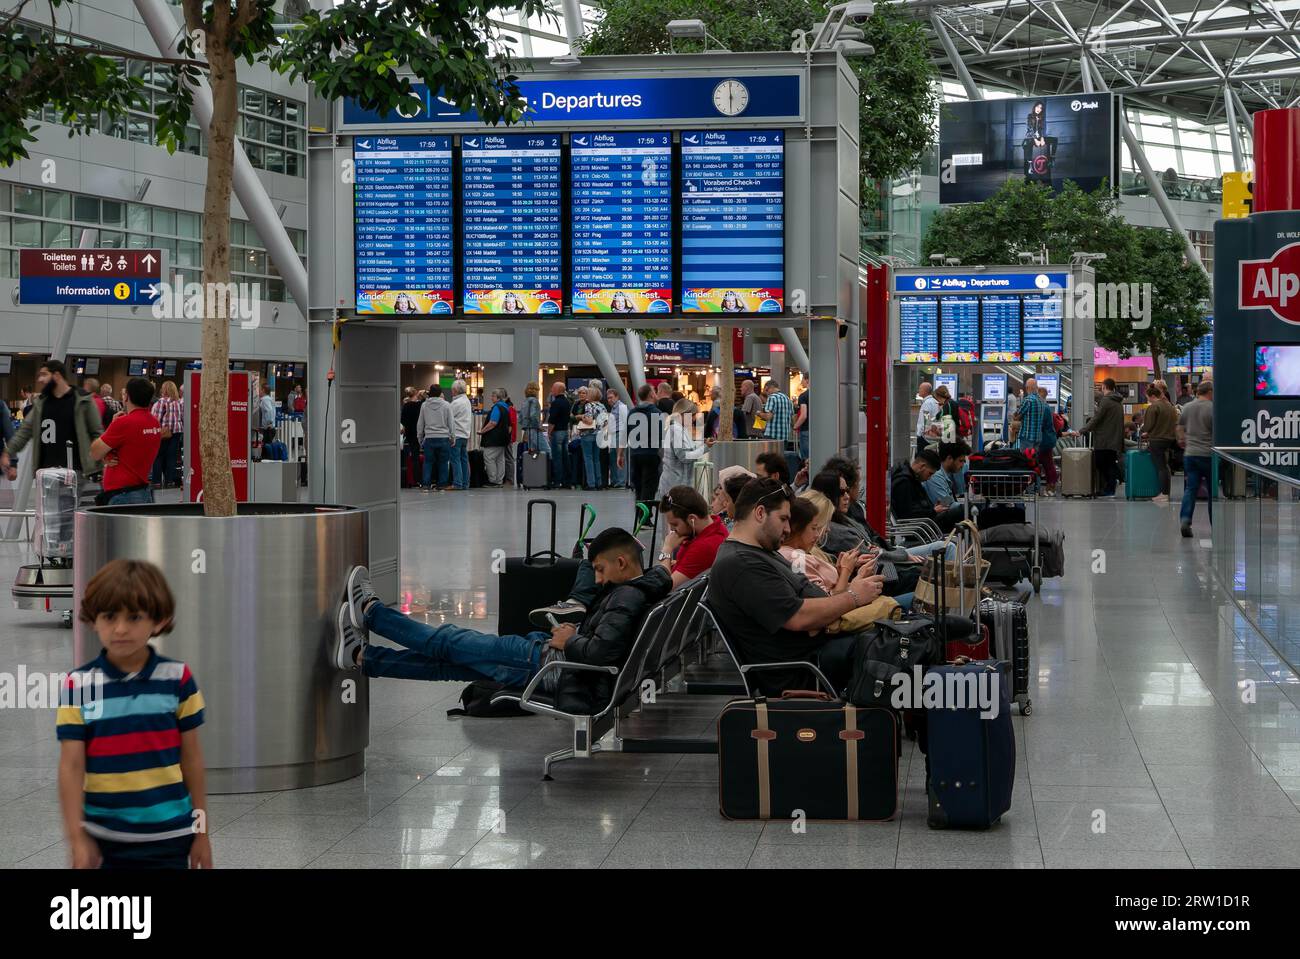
pixel 971 757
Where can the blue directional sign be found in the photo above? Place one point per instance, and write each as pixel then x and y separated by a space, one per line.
pixel 569 101
pixel 77 277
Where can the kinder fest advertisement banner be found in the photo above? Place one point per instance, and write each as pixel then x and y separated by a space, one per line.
pixel 622 301
pixel 512 301
pixel 404 302
pixel 733 300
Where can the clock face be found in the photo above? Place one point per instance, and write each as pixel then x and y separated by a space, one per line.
pixel 730 97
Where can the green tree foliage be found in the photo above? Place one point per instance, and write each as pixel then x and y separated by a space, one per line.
pixel 899 87
pixel 1025 217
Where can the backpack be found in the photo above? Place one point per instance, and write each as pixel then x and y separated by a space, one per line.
pixel 1058 423
pixel 476 700
pixel 965 420
pixel 514 424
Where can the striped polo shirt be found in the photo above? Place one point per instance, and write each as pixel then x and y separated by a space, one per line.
pixel 134 788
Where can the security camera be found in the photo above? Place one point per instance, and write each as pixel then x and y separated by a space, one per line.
pixel 859 11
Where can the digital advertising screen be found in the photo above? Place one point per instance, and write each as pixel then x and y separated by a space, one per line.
pixel 959 325
pixel 918 329
pixel 733 221
pixel 1047 140
pixel 1044 331
pixel 1277 371
pixel 403 224
pixel 510 221
pixel 621 210
pixel 1000 329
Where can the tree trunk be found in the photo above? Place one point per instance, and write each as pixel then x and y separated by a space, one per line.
pixel 725 336
pixel 214 423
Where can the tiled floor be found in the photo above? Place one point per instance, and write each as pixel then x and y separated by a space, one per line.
pixel 1164 733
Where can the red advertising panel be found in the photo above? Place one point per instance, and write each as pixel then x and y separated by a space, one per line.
pixel 239 413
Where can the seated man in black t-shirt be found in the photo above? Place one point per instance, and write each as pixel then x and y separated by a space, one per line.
pixel 771 613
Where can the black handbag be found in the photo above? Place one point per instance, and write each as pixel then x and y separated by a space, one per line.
pixel 889 648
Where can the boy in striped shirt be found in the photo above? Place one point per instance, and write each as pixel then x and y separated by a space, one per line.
pixel 131 780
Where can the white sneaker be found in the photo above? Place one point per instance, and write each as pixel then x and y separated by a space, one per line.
pixel 350 639
pixel 360 593
pixel 1161 500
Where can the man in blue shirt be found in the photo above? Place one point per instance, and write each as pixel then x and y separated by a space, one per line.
pixel 1030 418
pixel 948 485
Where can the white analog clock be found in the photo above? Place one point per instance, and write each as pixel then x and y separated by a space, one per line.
pixel 730 97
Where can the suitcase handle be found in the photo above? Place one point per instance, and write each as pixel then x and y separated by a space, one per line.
pixel 806 694
pixel 529 555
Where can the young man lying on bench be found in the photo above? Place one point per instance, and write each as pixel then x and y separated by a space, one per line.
pixel 626 592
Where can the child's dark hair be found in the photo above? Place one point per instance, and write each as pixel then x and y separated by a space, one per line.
pixel 132 585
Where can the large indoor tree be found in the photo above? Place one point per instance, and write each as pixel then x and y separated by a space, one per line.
pixel 1023 216
pixel 370 50
pixel 900 93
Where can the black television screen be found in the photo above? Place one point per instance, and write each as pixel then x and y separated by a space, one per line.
pixel 1049 140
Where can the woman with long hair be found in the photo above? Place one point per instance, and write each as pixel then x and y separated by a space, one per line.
pixel 680 447
pixel 167 411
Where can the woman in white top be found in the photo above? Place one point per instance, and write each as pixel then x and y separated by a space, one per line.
pixel 680 448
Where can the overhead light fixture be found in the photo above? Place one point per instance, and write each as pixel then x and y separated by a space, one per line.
pixel 850 49
pixel 687 29
pixel 936 259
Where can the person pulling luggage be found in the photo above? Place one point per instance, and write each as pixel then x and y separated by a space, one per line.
pixel 60 416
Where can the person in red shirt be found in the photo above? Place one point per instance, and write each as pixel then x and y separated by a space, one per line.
pixel 128 448
pixel 694 534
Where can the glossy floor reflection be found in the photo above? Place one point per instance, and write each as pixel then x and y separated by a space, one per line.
pixel 1164 733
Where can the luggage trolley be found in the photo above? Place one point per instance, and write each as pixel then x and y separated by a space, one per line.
pixel 47 584
pixel 1010 488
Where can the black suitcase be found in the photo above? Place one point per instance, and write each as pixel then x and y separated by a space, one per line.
pixel 533 580
pixel 477 469
pixel 1008 625
pixel 831 761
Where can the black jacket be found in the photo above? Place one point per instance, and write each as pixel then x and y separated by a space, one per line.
pixel 606 635
pixel 410 418
pixel 907 496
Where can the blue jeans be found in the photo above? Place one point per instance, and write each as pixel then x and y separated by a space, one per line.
pixel 449 652
pixel 929 549
pixel 460 464
pixel 803 444
pixel 616 478
pixel 132 498
pixel 437 455
pixel 1195 468
pixel 560 457
pixel 590 459
pixel 585 589
pixel 164 464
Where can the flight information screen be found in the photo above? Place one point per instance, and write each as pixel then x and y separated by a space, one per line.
pixel 510 216
pixel 1000 332
pixel 622 212
pixel 959 320
pixel 1203 354
pixel 403 226
pixel 1044 332
pixel 733 221
pixel 918 329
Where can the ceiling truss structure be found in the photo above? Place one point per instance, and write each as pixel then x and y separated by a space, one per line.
pixel 1213 61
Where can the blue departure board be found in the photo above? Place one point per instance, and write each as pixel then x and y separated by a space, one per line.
pixel 402 221
pixel 1203 354
pixel 1044 331
pixel 959 323
pixel 918 329
pixel 510 216
pixel 733 221
pixel 1179 364
pixel 1000 329
pixel 622 213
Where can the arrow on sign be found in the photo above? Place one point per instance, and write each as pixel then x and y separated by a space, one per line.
pixel 149 260
pixel 151 291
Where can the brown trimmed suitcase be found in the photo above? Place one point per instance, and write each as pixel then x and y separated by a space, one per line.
pixel 807 755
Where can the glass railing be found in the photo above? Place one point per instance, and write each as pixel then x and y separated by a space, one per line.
pixel 1256 539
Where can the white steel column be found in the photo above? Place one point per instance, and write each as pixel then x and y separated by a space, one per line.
pixel 635 347
pixel 794 349
pixel 608 368
pixel 165 30
pixel 1153 182
pixel 1234 132
pixel 949 48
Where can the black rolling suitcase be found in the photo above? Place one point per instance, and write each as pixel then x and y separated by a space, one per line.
pixel 478 476
pixel 1008 624
pixel 533 580
pixel 830 760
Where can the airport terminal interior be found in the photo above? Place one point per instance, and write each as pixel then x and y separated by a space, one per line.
pixel 1035 427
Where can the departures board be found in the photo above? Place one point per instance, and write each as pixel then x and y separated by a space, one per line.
pixel 579 224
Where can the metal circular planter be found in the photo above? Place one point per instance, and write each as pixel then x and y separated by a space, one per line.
pixel 257 600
